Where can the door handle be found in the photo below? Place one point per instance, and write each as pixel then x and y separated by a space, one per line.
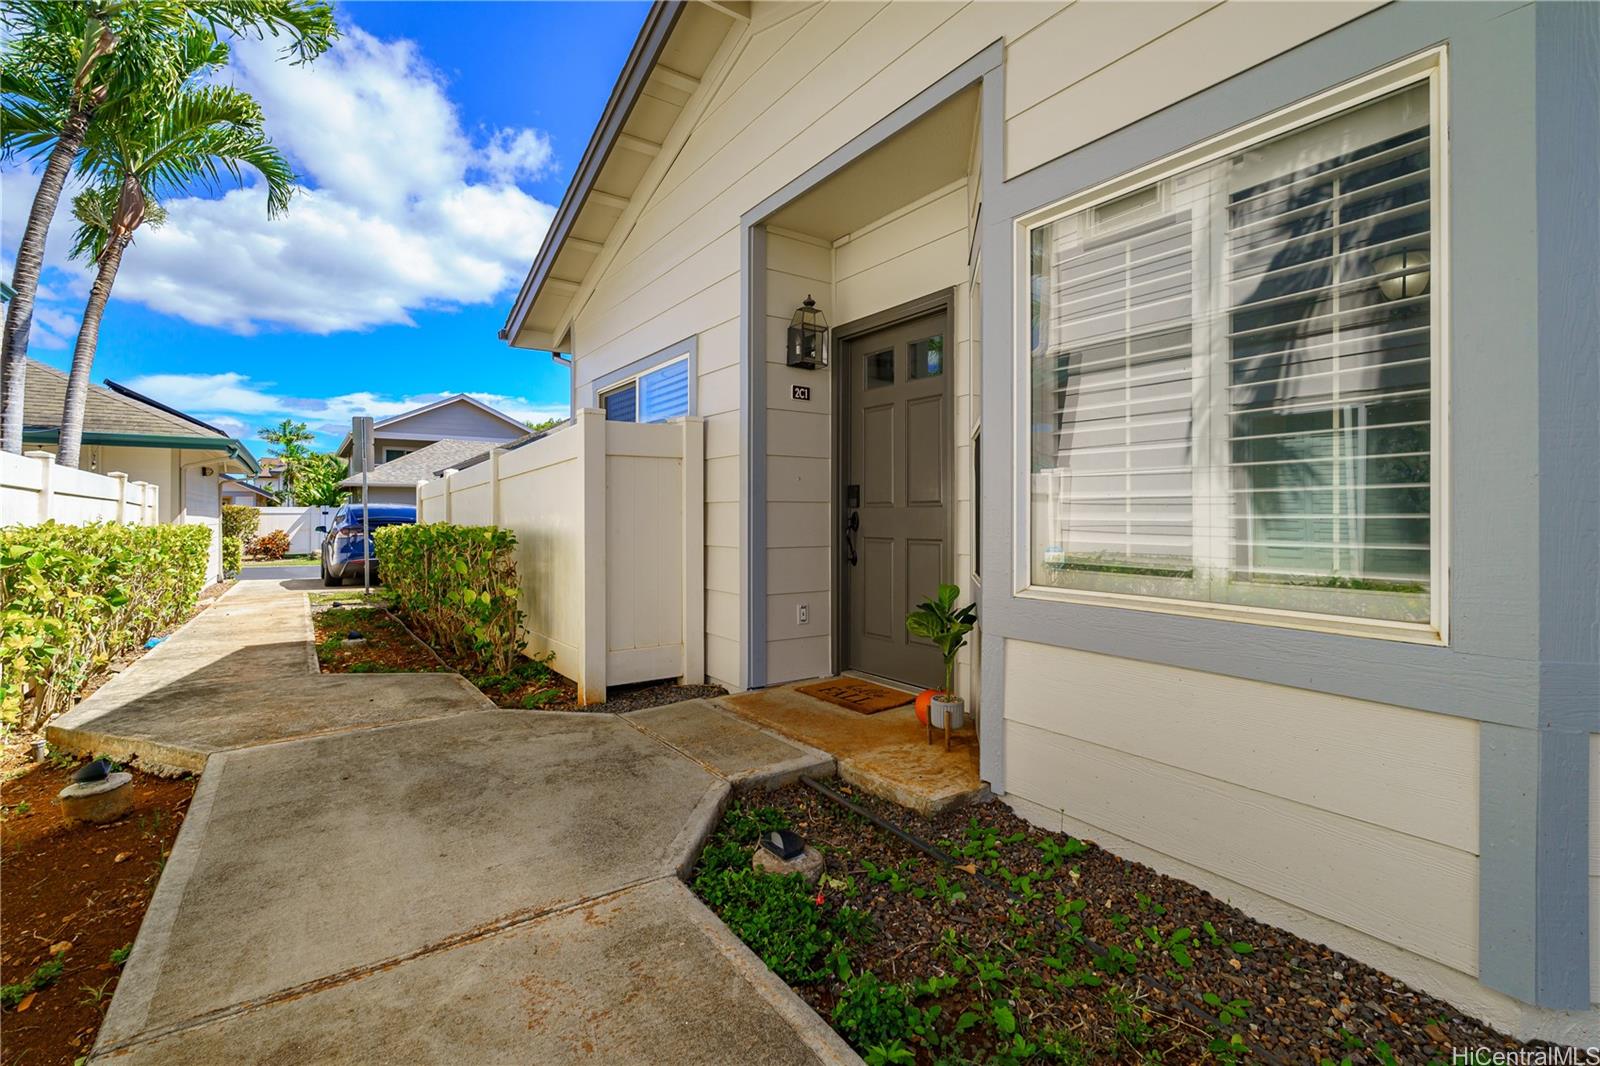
pixel 851 524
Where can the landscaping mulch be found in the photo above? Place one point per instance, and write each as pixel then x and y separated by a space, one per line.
pixel 73 897
pixel 387 647
pixel 391 647
pixel 1036 947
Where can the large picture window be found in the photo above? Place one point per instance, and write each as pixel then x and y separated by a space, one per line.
pixel 1233 376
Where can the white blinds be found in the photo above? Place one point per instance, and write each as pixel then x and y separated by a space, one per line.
pixel 1329 359
pixel 664 392
pixel 1118 384
pixel 1232 374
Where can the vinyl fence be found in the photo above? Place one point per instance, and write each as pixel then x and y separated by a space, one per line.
pixel 33 490
pixel 610 525
pixel 299 522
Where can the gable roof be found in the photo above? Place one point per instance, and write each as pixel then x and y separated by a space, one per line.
pixel 671 55
pixel 116 415
pixel 421 464
pixel 460 397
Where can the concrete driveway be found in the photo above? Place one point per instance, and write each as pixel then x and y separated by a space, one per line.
pixel 398 873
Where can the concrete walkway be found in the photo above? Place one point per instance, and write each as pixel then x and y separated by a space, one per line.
pixel 397 872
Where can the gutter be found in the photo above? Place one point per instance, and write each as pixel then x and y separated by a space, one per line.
pixel 647 49
pixel 234 449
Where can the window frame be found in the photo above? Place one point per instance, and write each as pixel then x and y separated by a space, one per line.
pixel 403 453
pixel 684 351
pixel 1428 67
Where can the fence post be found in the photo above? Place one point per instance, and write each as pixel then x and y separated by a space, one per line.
pixel 694 551
pixel 47 463
pixel 494 485
pixel 422 507
pixel 122 496
pixel 592 462
pixel 449 511
pixel 150 502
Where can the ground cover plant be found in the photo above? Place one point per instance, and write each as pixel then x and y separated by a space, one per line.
pixel 1034 947
pixel 76 597
pixel 74 898
pixel 385 646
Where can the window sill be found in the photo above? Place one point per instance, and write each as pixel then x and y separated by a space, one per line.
pixel 1404 632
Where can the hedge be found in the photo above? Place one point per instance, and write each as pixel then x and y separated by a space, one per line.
pixel 240 521
pixel 232 556
pixel 458 586
pixel 76 597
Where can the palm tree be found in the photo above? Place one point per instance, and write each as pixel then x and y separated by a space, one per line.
pixel 66 63
pixel 198 137
pixel 291 438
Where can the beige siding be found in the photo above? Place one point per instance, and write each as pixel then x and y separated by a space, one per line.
pixel 1096 67
pixel 1359 812
pixel 799 472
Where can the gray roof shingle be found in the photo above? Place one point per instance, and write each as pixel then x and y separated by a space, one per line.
pixel 421 464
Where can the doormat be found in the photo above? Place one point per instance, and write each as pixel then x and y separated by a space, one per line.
pixel 854 694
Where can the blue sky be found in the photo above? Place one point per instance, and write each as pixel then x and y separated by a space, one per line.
pixel 434 143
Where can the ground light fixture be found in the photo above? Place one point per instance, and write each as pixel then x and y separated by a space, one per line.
pixel 784 844
pixel 808 337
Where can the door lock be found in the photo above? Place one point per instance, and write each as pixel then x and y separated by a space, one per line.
pixel 851 524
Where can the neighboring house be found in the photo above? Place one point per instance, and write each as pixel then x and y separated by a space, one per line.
pixel 458 417
pixel 246 492
pixel 124 431
pixel 273 472
pixel 396 480
pixel 1246 351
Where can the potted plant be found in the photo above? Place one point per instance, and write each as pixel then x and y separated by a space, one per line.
pixel 947 625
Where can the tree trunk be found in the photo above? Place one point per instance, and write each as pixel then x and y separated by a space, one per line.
pixel 25 279
pixel 83 355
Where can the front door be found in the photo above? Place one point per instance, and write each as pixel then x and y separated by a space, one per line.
pixel 897 494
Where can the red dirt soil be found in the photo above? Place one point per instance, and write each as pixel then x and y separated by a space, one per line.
pixel 86 887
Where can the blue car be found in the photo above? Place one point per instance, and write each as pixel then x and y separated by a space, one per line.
pixel 344 551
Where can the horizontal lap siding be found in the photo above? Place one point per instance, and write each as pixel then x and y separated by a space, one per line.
pixel 799 472
pixel 1362 813
pixel 1095 68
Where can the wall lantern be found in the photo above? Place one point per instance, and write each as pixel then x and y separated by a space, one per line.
pixel 808 337
pixel 1408 275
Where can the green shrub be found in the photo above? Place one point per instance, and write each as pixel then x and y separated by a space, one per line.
pixel 75 597
pixel 241 522
pixel 457 585
pixel 274 545
pixel 232 555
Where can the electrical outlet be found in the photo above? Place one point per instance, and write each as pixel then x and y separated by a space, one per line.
pixel 802 614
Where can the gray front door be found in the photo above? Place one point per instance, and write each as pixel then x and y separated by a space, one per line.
pixel 897 494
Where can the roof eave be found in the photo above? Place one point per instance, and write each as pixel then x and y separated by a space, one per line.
pixel 228 445
pixel 647 49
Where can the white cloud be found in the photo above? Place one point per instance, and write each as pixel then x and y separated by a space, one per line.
pixel 513 154
pixel 230 399
pixel 402 210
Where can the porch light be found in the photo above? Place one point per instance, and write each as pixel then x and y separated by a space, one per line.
pixel 1408 274
pixel 808 337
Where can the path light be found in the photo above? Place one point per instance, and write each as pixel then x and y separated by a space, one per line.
pixel 808 337
pixel 783 843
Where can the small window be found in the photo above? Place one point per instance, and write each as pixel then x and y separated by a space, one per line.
pixel 620 404
pixel 656 395
pixel 926 358
pixel 880 369
pixel 391 454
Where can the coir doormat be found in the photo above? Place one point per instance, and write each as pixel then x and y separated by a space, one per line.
pixel 852 693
